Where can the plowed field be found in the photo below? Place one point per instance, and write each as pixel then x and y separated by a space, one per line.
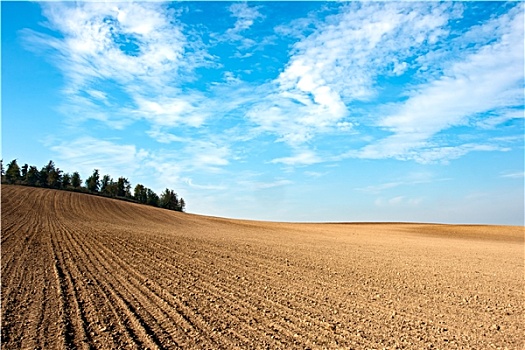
pixel 86 272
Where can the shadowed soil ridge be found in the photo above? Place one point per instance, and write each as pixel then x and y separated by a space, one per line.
pixel 86 272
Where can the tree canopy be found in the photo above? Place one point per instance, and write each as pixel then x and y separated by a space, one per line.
pixel 51 176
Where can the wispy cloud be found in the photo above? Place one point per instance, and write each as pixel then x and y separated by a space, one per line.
pixel 445 154
pixel 315 174
pixel 170 111
pixel 339 62
pixel 260 185
pixel 411 179
pixel 190 182
pixel 300 158
pixel 161 167
pixel 487 80
pixel 112 53
pixel 342 59
pixel 245 17
pixel 206 154
pixel 381 187
pixel 245 35
pixel 135 62
pixel 128 42
pixel 130 62
pixel 513 175
pixel 500 117
pixel 109 156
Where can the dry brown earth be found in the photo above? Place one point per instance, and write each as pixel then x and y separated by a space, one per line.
pixel 86 272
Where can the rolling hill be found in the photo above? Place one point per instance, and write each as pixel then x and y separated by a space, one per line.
pixel 81 271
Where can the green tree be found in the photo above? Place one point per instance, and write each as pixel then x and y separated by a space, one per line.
pixel 152 198
pixel 66 180
pixel 54 178
pixel 140 193
pixel 182 204
pixel 93 182
pixel 75 180
pixel 169 200
pixel 48 175
pixel 123 187
pixel 12 174
pixel 105 184
pixel 33 176
pixel 111 188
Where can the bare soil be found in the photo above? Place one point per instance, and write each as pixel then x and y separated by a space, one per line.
pixel 85 272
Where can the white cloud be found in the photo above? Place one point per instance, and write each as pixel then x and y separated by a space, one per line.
pixel 260 185
pixel 99 95
pixel 206 155
pixel 447 153
pixel 101 40
pixel 340 61
pixel 156 169
pixel 87 153
pixel 396 200
pixel 133 53
pixel 301 158
pixel 171 111
pixel 315 174
pixel 489 79
pixel 381 187
pixel 399 68
pixel 190 182
pixel 402 147
pixel 165 137
pixel 351 48
pixel 500 117
pixel 139 55
pixel 338 64
pixel 513 175
pixel 245 15
pixel 410 179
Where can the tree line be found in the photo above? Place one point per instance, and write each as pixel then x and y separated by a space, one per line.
pixel 53 177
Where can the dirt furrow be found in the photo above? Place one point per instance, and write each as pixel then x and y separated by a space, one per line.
pixel 74 289
pixel 170 273
pixel 39 304
pixel 107 268
pixel 88 320
pixel 25 263
pixel 220 295
pixel 75 333
pixel 13 297
pixel 208 289
pixel 227 290
pixel 168 314
pixel 16 249
pixel 135 331
pixel 230 286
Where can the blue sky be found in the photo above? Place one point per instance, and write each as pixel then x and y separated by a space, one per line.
pixel 285 111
